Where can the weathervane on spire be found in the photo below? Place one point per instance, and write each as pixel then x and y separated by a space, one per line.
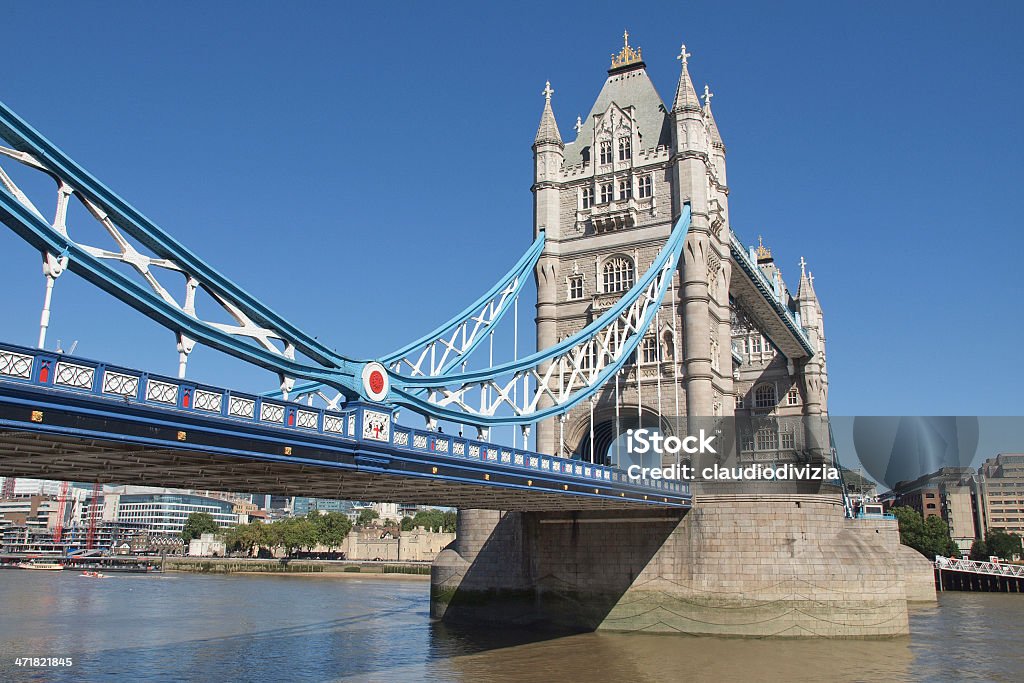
pixel 683 54
pixel 707 96
pixel 547 92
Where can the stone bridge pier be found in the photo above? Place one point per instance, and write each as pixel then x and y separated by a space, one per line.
pixel 783 565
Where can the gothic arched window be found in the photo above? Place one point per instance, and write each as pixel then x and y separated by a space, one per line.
pixel 764 396
pixel 606 152
pixel 618 274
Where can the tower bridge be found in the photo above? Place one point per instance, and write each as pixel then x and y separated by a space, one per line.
pixel 651 311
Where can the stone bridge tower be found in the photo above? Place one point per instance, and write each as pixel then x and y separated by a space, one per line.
pixel 607 201
pixel 730 341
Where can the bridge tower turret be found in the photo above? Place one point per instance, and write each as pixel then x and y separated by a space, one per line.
pixel 548 158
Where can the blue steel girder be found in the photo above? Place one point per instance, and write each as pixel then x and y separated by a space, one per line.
pixel 57 410
pixel 261 336
pixel 453 343
pixel 552 380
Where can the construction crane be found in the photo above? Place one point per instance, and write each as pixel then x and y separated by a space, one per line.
pixel 94 508
pixel 62 504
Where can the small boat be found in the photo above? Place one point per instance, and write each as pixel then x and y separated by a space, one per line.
pixel 46 566
pixel 93 575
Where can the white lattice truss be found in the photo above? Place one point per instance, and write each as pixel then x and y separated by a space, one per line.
pixel 980 567
pixel 578 368
pixel 454 346
pixel 147 266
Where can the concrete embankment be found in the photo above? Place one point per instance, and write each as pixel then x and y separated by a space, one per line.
pixel 324 568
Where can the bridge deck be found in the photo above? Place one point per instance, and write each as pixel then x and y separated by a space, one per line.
pixel 69 418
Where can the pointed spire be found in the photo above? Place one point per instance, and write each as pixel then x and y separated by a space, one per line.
pixel 686 96
pixel 806 289
pixel 716 138
pixel 548 129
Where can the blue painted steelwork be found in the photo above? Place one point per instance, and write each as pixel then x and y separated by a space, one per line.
pixel 332 368
pixel 407 391
pixel 49 381
pixel 506 290
pixel 771 292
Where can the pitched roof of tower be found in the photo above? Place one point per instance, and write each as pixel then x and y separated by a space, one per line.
pixel 547 131
pixel 627 85
pixel 716 138
pixel 686 95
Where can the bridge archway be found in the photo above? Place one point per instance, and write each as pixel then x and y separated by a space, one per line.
pixel 609 442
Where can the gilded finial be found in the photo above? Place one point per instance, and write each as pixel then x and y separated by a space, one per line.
pixel 627 55
pixel 763 252
pixel 683 54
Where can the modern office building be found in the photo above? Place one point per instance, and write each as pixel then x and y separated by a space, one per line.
pixel 999 488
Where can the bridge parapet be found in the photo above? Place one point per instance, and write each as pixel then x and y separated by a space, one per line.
pixel 365 432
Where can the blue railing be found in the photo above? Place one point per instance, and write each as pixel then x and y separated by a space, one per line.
pixel 770 292
pixel 371 424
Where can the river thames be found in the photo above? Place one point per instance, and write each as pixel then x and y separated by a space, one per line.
pixel 200 628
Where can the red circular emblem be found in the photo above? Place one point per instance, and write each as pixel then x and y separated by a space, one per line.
pixel 376 381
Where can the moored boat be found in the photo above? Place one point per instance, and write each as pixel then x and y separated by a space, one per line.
pixel 44 566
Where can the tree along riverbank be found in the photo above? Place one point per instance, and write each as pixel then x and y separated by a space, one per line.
pixel 333 568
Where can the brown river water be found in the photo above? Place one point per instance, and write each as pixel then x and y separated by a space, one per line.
pixel 184 627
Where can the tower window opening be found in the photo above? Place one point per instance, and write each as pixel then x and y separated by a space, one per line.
pixel 649 350
pixel 588 197
pixel 606 193
pixel 575 287
pixel 625 149
pixel 606 152
pixel 764 396
pixel 625 189
pixel 618 274
pixel 643 187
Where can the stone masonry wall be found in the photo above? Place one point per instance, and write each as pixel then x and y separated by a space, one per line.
pixel 785 566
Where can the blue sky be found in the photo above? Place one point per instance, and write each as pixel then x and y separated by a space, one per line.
pixel 365 168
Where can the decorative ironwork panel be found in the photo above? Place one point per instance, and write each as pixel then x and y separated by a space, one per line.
pixel 242 407
pixel 459 448
pixel 520 459
pixel 209 401
pixel 352 424
pixel 15 364
pixel 419 441
pixel 120 384
pixel 534 461
pixel 442 445
pixel 474 451
pixel 401 438
pixel 506 456
pixel 307 419
pixel 334 424
pixel 545 464
pixel 72 375
pixel 161 392
pixel 271 412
